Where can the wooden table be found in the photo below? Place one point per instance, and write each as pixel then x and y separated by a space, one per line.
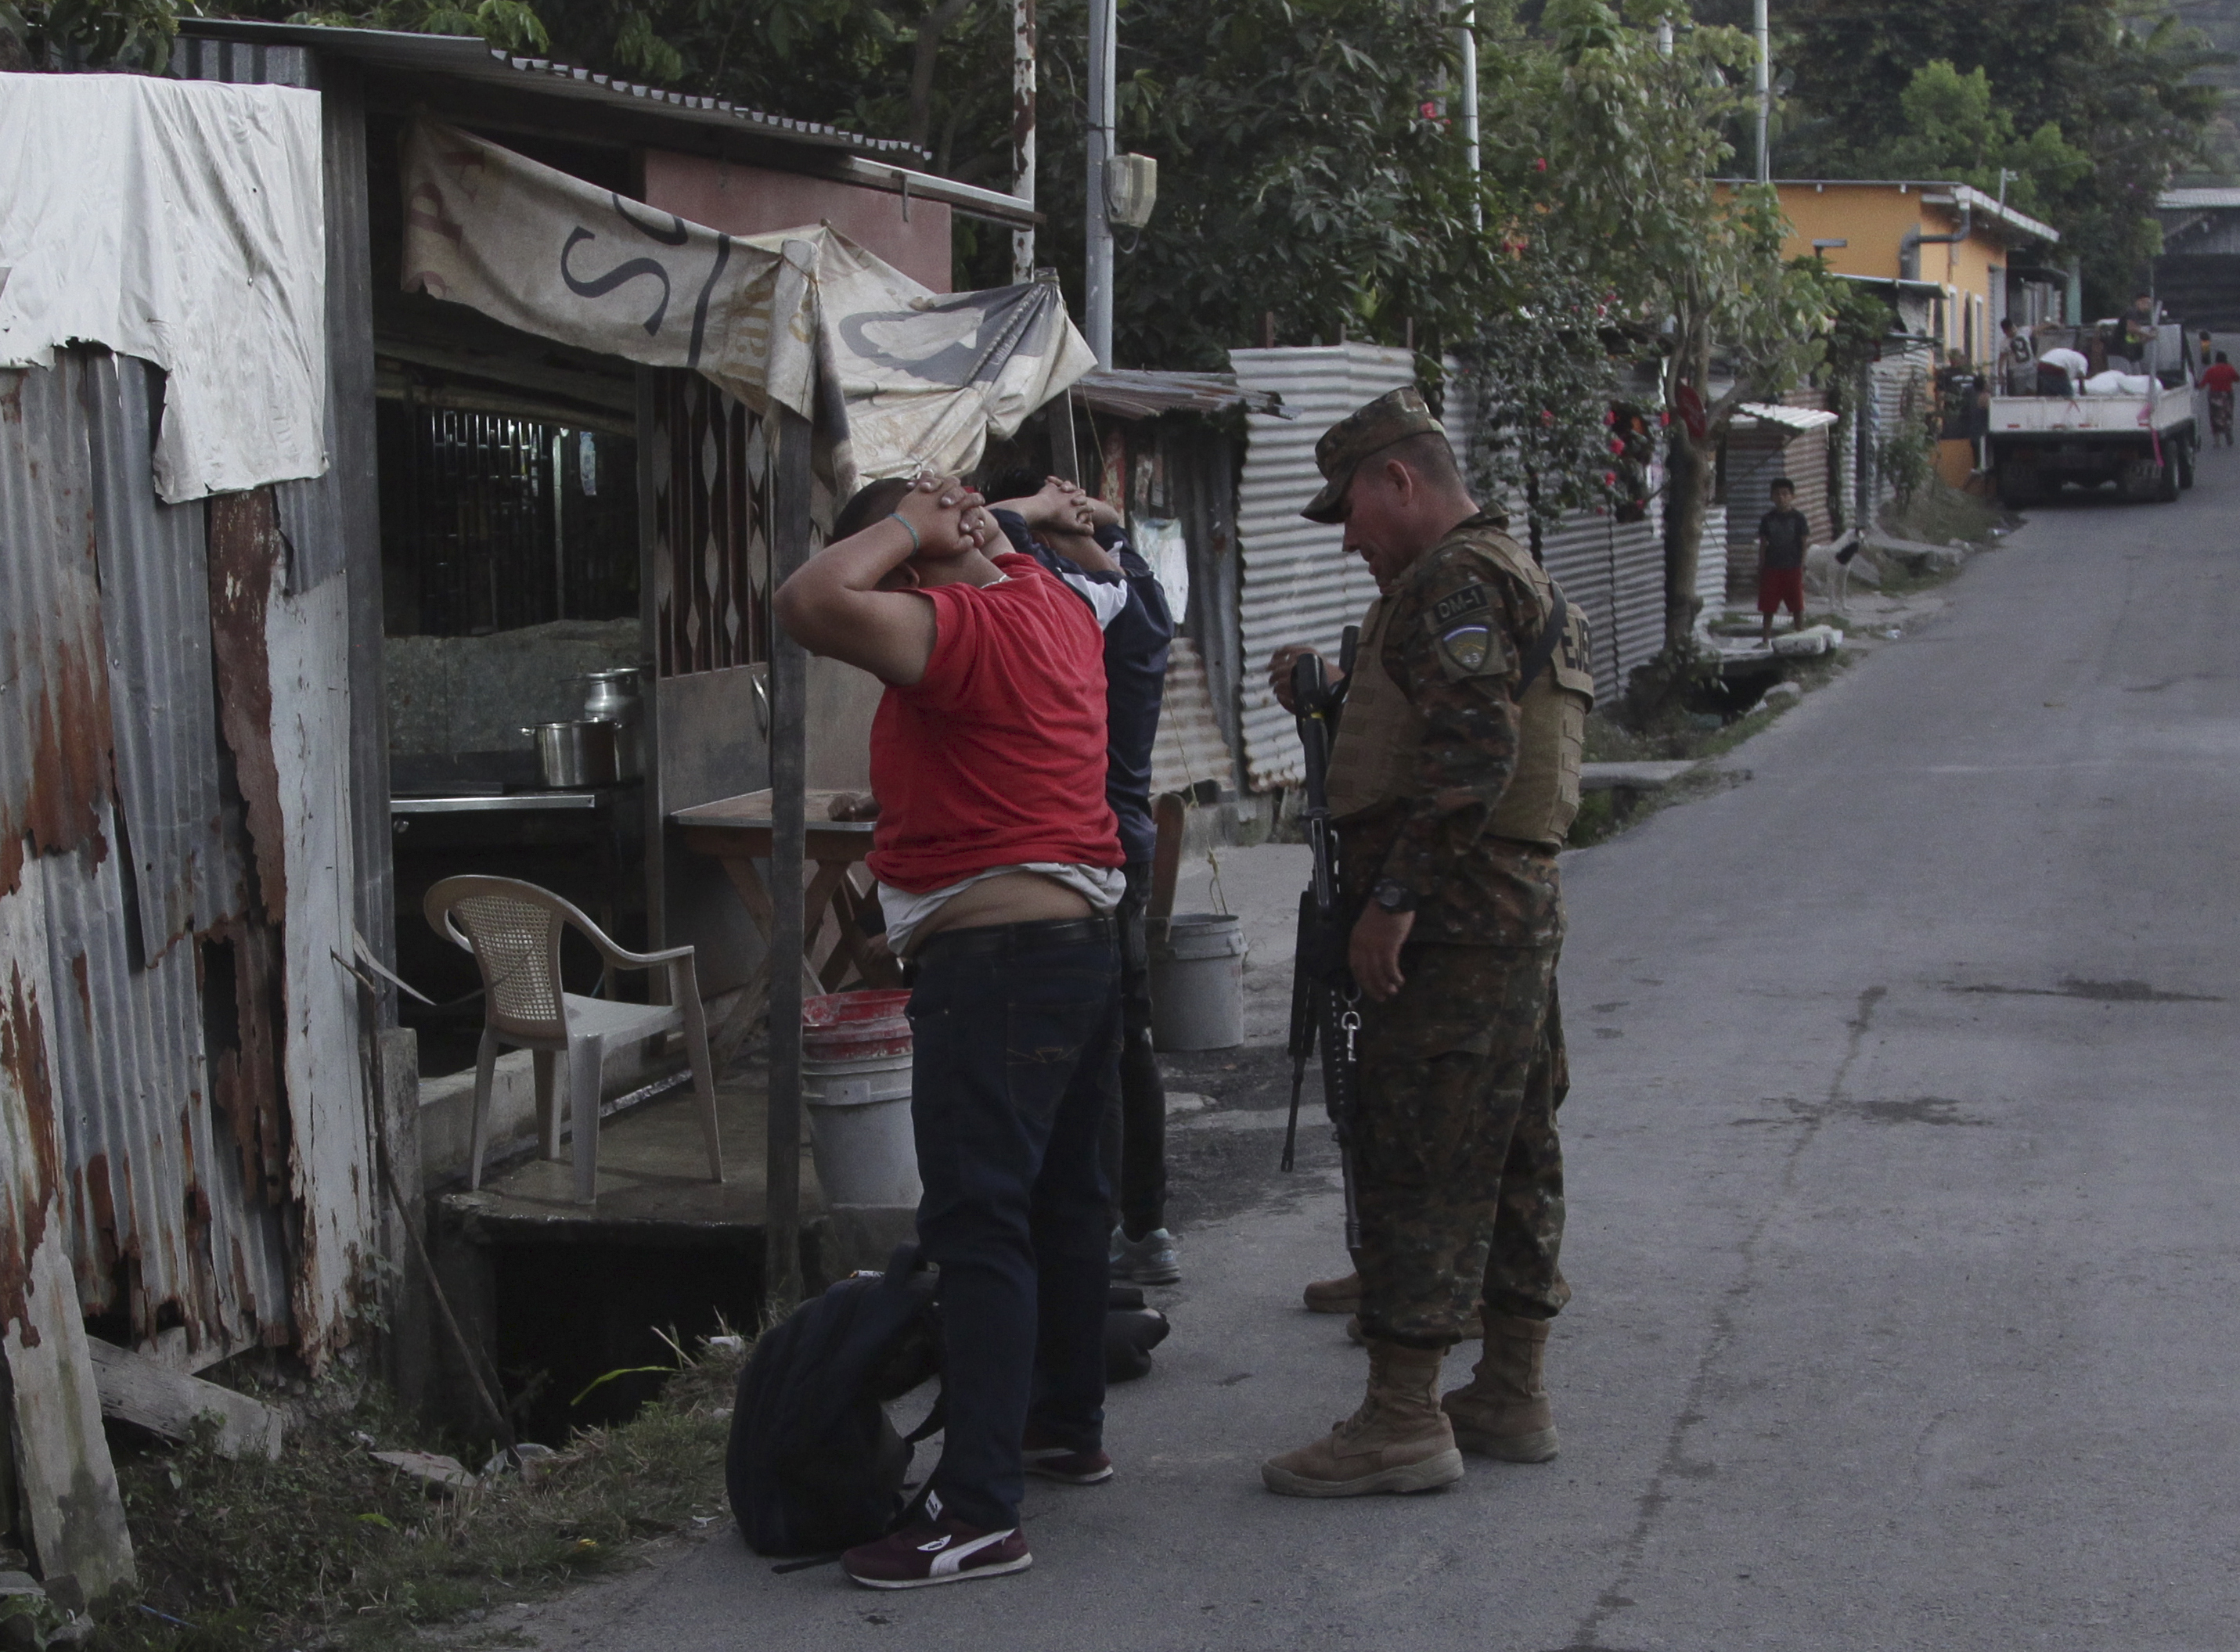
pixel 737 832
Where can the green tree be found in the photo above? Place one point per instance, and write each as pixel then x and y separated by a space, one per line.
pixel 1307 174
pixel 1635 142
pixel 86 34
pixel 2114 78
pixel 1955 130
pixel 1538 382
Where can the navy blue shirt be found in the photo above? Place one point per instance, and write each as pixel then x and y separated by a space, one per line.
pixel 1134 674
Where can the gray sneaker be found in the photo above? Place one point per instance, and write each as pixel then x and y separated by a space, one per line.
pixel 1148 1261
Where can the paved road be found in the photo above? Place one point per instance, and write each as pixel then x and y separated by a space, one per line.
pixel 1906 1181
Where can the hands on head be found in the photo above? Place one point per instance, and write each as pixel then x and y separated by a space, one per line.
pixel 948 518
pixel 1060 506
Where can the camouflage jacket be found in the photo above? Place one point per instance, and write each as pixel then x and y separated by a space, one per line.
pixel 1470 888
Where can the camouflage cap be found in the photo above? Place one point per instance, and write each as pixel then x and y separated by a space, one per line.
pixel 1393 416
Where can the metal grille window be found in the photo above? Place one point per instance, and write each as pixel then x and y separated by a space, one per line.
pixel 495 521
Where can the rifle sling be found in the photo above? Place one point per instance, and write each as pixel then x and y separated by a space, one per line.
pixel 1544 646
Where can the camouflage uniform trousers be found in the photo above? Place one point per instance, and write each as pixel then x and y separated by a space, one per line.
pixel 1458 1168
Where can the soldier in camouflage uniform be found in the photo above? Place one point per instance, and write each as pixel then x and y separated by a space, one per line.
pixel 1453 781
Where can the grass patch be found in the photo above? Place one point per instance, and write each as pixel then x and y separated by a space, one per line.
pixel 327 1547
pixel 1939 514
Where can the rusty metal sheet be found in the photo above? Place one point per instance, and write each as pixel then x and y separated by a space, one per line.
pixel 31 1152
pixel 284 709
pixel 162 1227
pixel 155 614
pixel 54 692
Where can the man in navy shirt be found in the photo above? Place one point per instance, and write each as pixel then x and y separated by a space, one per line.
pixel 1080 539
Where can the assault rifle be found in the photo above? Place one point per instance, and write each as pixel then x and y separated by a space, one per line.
pixel 1322 992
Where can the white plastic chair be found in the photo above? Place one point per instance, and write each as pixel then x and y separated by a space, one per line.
pixel 513 930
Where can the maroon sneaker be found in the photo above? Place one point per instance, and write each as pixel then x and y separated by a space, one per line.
pixel 937 1551
pixel 1044 1456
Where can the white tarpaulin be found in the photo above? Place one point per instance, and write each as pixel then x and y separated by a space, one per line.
pixel 181 222
pixel 926 377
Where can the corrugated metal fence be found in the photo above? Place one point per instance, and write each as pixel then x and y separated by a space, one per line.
pixel 1296 586
pixel 173 822
pixel 1615 572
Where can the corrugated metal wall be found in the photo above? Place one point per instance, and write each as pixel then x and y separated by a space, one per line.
pixel 1900 390
pixel 202 1040
pixel 1711 560
pixel 1615 572
pixel 1190 747
pixel 1297 585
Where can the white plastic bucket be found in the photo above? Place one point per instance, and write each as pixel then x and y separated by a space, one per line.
pixel 1197 982
pixel 859 1122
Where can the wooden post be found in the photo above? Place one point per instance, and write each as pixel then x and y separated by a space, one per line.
pixel 789 762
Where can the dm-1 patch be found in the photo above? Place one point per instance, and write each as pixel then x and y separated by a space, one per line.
pixel 1465 648
pixel 1470 599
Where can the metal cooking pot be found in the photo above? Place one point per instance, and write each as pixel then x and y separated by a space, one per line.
pixel 577 752
pixel 613 697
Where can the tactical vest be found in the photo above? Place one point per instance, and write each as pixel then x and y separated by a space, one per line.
pixel 1381 734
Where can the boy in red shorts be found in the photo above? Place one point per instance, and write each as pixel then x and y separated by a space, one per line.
pixel 1781 535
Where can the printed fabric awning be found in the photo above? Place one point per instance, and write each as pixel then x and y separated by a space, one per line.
pixel 896 377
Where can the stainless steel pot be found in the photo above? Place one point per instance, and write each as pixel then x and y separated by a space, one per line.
pixel 613 697
pixel 577 752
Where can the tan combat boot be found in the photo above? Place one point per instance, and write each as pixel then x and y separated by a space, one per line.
pixel 1335 1296
pixel 1505 1412
pixel 1399 1439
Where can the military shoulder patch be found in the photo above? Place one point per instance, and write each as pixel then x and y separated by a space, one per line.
pixel 1470 599
pixel 1467 650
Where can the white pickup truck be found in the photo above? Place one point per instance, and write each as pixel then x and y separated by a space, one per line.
pixel 2138 431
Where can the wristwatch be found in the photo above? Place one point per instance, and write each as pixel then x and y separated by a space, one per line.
pixel 1393 895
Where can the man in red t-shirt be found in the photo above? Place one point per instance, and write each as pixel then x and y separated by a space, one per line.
pixel 998 862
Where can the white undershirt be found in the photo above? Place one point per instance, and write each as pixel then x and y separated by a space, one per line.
pixel 1100 886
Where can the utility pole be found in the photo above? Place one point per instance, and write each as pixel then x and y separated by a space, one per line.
pixel 1023 133
pixel 1103 45
pixel 1764 91
pixel 1470 110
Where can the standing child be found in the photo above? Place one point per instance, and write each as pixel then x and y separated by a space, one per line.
pixel 1781 535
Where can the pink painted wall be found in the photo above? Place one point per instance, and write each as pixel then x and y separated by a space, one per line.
pixel 750 200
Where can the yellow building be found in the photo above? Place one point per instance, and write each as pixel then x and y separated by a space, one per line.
pixel 1950 235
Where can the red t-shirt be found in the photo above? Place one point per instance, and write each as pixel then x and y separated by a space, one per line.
pixel 995 757
pixel 2221 375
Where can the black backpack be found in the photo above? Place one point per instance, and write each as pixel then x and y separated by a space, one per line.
pixel 813 1465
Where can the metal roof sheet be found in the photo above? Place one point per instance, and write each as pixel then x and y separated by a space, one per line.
pixel 1135 393
pixel 1793 418
pixel 1955 194
pixel 469 57
pixel 2196 200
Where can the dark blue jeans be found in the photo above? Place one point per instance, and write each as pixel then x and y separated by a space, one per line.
pixel 1016 1064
